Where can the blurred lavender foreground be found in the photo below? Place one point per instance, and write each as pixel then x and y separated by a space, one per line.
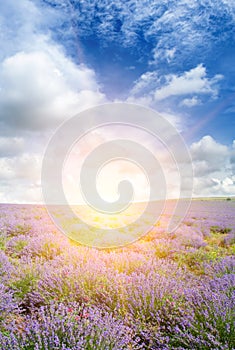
pixel 166 291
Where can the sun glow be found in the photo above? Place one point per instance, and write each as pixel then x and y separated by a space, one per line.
pixel 108 178
pixel 118 206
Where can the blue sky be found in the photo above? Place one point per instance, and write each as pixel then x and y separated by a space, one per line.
pixel 122 40
pixel 60 56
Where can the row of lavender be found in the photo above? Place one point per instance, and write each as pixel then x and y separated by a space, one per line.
pixel 163 292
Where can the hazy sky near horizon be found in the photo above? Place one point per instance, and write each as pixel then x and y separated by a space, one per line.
pixel 59 57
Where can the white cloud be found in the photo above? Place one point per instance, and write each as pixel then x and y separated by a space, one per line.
pixel 194 81
pixel 232 159
pixel 213 171
pixel 167 54
pixel 151 88
pixel 20 172
pixel 191 30
pixel 39 85
pixel 20 178
pixel 18 22
pixel 170 53
pixel 16 192
pixel 170 25
pixel 212 187
pixel 147 81
pixel 209 150
pixel 209 156
pixel 39 90
pixel 212 161
pixel 11 146
pixel 23 167
pixel 191 102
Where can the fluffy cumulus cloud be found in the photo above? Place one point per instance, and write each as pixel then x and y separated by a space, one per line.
pixel 39 90
pixel 213 168
pixel 208 155
pixel 195 81
pixel 188 88
pixel 40 87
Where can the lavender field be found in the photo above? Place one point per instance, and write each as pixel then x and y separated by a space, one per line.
pixel 166 291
